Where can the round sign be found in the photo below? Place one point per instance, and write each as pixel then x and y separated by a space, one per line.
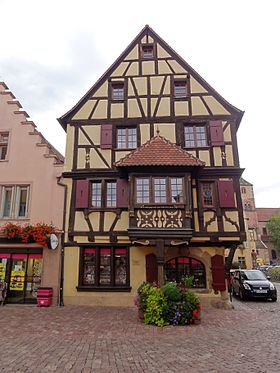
pixel 52 241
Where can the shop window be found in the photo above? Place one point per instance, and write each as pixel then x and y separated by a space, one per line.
pixel 14 202
pixel 159 190
pixel 207 194
pixel 117 91
pixel 178 268
pixel 126 138
pixel 104 267
pixel 4 139
pixel 180 88
pixel 195 136
pixel 147 51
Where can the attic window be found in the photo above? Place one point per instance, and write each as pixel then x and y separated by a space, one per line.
pixel 147 51
pixel 117 91
pixel 4 138
pixel 180 88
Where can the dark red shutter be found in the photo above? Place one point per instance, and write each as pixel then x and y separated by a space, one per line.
pixel 226 193
pixel 106 140
pixel 216 132
pixel 151 268
pixel 82 194
pixel 218 273
pixel 122 193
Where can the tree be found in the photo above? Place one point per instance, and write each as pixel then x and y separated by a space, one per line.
pixel 273 226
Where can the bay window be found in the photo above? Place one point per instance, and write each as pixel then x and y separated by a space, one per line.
pixel 159 190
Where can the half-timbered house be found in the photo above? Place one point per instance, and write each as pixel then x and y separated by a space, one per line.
pixel 153 175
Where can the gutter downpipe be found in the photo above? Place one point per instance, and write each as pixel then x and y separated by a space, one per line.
pixel 60 294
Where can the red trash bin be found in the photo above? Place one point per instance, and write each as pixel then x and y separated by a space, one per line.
pixel 44 297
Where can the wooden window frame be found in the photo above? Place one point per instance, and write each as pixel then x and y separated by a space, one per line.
pixel 15 201
pixel 126 138
pixel 112 286
pixel 4 146
pixel 147 46
pixel 104 194
pixel 113 85
pixel 168 190
pixel 180 82
pixel 195 139
pixel 214 196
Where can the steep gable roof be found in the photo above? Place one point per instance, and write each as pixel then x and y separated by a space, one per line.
pixel 158 151
pixel 64 119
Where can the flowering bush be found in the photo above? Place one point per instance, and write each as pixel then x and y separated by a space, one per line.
pixel 29 233
pixel 171 305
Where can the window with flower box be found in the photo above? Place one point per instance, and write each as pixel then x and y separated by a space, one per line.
pixel 104 267
pixel 14 201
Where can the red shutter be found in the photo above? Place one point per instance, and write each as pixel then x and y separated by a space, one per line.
pixel 151 268
pixel 106 140
pixel 82 194
pixel 218 273
pixel 216 132
pixel 122 193
pixel 226 193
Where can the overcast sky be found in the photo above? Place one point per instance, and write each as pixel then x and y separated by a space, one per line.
pixel 52 52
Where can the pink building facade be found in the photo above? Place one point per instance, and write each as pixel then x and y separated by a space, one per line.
pixel 30 193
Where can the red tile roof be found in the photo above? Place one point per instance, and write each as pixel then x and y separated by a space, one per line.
pixel 159 151
pixel 265 213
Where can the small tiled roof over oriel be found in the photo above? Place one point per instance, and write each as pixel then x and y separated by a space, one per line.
pixel 159 151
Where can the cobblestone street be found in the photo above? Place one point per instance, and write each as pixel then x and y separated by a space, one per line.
pixel 86 339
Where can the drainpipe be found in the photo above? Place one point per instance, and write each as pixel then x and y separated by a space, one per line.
pixel 60 294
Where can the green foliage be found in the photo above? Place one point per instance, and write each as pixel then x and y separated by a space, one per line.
pixel 169 305
pixel 274 274
pixel 188 281
pixel 172 292
pixel 273 226
pixel 156 307
pixel 235 265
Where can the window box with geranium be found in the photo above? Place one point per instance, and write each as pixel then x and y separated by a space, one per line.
pixel 29 233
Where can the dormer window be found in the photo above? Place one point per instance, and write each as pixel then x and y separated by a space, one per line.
pixel 117 91
pixel 180 88
pixel 148 51
pixel 4 139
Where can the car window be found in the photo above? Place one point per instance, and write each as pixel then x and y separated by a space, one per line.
pixel 254 275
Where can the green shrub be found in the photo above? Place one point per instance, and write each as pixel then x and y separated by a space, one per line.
pixel 274 274
pixel 172 292
pixel 143 293
pixel 156 307
pixel 235 265
pixel 188 281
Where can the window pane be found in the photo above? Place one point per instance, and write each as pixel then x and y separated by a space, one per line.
pixel 118 92
pixel 189 137
pixel 121 141
pixel 207 194
pixel 7 202
pixel 89 267
pixel 111 200
pixel 142 191
pixel 180 89
pixel 176 190
pixel 120 267
pixel 105 267
pixel 160 190
pixel 22 208
pixel 96 194
pixel 132 138
pixel 200 136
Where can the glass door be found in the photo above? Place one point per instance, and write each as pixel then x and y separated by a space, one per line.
pixel 17 278
pixel 33 277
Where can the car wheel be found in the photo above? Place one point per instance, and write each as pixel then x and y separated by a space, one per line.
pixel 274 299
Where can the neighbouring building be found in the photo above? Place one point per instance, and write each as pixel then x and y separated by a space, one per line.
pixel 264 215
pixel 30 168
pixel 152 172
